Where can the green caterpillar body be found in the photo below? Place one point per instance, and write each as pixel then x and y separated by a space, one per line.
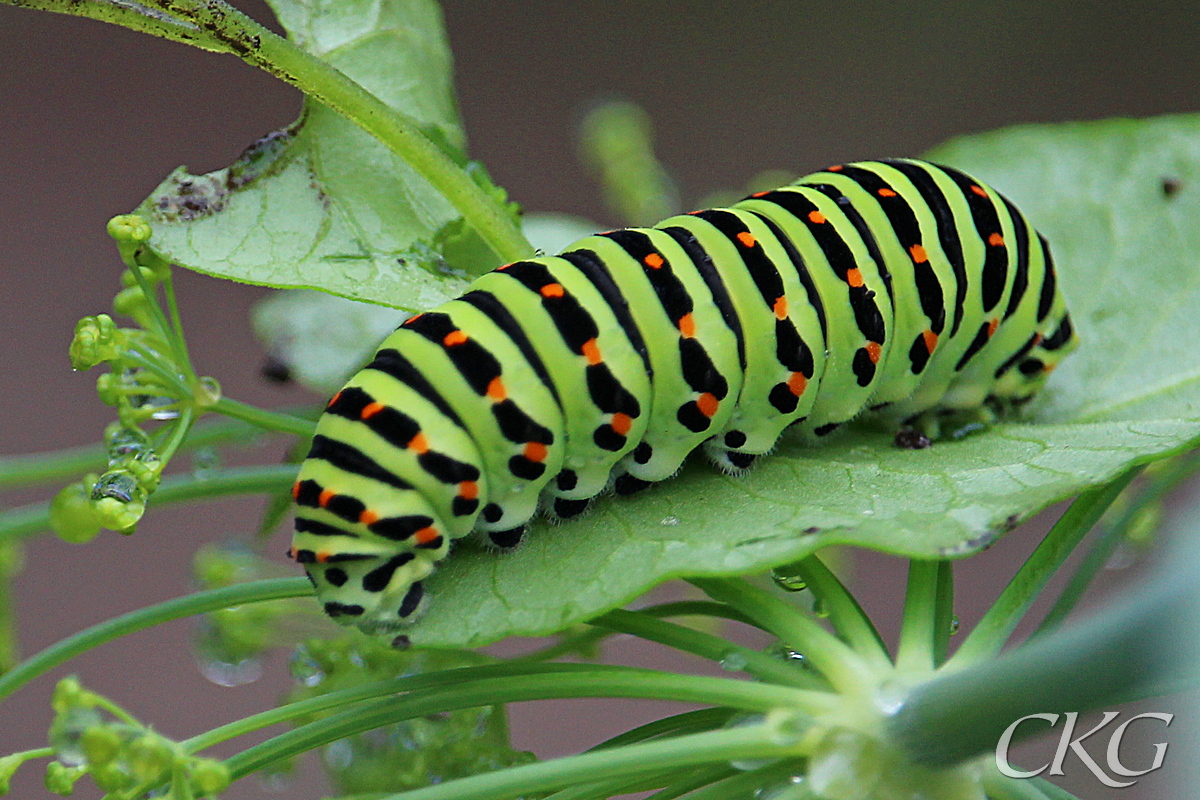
pixel 897 284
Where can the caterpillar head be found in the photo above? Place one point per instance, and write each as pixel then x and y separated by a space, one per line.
pixel 365 561
pixel 378 593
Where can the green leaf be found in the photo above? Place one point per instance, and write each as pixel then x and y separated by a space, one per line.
pixel 323 339
pixel 322 204
pixel 1126 253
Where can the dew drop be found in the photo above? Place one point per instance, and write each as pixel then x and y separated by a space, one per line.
pixel 890 696
pixel 226 673
pixel 305 669
pixel 733 662
pixel 788 582
pixel 954 624
pixel 819 609
pixel 670 520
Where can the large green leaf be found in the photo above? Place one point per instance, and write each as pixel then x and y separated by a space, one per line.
pixel 1126 244
pixel 323 204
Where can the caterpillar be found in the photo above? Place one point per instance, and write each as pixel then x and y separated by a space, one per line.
pixel 894 285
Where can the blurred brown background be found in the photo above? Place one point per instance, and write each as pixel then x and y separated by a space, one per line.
pixel 92 117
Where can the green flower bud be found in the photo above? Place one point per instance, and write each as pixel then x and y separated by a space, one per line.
pixel 208 776
pixel 150 757
pixel 100 744
pixel 60 778
pixel 118 500
pixel 72 515
pixel 112 777
pixel 129 228
pixel 132 302
pixel 69 694
pixel 96 339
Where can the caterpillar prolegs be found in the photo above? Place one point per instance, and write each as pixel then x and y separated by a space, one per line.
pixel 897 284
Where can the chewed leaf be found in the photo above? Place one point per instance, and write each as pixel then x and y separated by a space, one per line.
pixel 323 204
pixel 1119 202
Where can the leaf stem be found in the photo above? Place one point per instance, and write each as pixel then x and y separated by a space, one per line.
pixel 1112 533
pixel 537 682
pixel 132 15
pixel 845 614
pixel 276 421
pixel 402 134
pixel 177 608
pixel 918 631
pixel 845 669
pixel 989 636
pixel 706 645
pixel 713 747
pixel 29 519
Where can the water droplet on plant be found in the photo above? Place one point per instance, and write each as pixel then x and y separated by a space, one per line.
pixel 305 669
pixel 818 608
pixel 785 653
pixel 339 755
pixel 954 624
pixel 225 673
pixel 669 520
pixel 205 460
pixel 788 582
pixel 125 442
pixel 733 662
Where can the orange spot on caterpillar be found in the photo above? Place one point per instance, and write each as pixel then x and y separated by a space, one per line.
pixel 296 490
pixel 621 423
pixel 323 556
pixel 591 351
pixel 747 239
pixel 708 404
pixel 1037 339
pixel 653 261
pixel 454 338
pixel 687 326
pixel 760 194
pixel 780 307
pixel 919 256
pixel 873 352
pixel 426 535
pixel 324 497
pixel 552 290
pixel 496 390
pixel 503 267
pixel 292 553
pixel 979 190
pixel 931 340
pixel 854 277
pixel 536 451
pixel 885 192
pixel 368 517
pixel 992 325
pixel 816 217
pixel 1048 368
pixel 835 168
pixel 797 383
pixel 468 490
pixel 413 318
pixel 419 444
pixel 996 240
pixel 371 409
pixel 333 400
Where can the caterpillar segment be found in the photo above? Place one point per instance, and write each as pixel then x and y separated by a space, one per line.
pixel 896 286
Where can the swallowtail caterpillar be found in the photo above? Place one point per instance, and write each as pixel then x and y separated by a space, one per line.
pixel 897 285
